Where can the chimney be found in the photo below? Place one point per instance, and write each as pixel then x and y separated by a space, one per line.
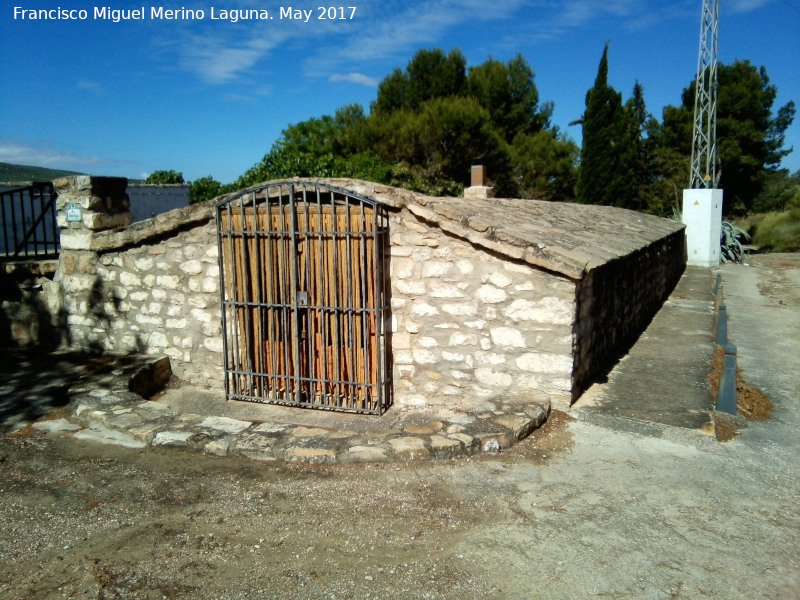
pixel 478 187
pixel 478 176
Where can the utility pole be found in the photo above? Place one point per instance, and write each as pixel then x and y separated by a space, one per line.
pixel 702 201
pixel 704 172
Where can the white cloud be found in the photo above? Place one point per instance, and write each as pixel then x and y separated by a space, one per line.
pixel 745 6
pixel 354 78
pixel 43 154
pixel 554 20
pixel 251 95
pixel 217 61
pixel 393 29
pixel 90 86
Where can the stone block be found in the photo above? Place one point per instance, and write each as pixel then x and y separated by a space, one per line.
pixel 172 438
pixel 489 294
pixel 225 424
pixel 425 428
pixel 521 427
pixel 218 447
pixel 310 455
pixel 440 289
pixel 192 267
pixel 100 221
pixel 444 446
pixel 56 425
pixel 423 309
pixel 308 432
pixel 493 442
pixel 213 344
pixel 364 454
pixel 495 378
pixel 103 435
pixel 545 363
pixel 409 448
pixel 507 337
pixel 76 239
pixel 500 279
pixel 255 446
pixel 151 379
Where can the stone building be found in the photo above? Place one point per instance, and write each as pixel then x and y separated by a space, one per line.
pixel 475 301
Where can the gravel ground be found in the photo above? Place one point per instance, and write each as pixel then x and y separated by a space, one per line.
pixel 575 511
pixel 87 521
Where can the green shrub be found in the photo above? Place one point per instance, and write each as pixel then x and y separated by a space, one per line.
pixel 731 238
pixel 775 231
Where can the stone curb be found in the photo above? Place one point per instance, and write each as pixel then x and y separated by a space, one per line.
pixel 109 413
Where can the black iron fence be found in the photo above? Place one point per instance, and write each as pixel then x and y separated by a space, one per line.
pixel 29 222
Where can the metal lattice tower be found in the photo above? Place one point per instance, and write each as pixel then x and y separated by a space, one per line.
pixel 705 172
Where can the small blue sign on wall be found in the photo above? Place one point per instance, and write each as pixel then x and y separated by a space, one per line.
pixel 73 213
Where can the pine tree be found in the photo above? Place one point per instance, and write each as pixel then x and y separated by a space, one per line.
pixel 750 134
pixel 608 152
pixel 640 124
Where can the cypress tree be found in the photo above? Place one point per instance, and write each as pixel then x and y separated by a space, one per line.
pixel 608 152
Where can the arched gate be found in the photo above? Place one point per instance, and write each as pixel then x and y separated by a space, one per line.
pixel 304 297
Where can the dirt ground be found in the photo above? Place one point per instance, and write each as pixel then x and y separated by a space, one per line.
pixel 575 511
pixel 87 521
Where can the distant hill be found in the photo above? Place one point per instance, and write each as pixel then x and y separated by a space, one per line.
pixel 22 173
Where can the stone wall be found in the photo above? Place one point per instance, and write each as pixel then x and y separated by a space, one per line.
pixel 151 287
pixel 30 305
pixel 492 300
pixel 470 327
pixel 617 301
pixel 158 298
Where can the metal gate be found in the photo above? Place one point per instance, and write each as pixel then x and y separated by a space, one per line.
pixel 304 300
pixel 28 216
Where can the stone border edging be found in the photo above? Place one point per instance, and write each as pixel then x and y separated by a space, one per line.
pixel 112 414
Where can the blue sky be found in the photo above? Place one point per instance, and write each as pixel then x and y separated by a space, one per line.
pixel 209 97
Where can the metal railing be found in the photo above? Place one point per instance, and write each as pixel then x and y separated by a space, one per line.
pixel 28 216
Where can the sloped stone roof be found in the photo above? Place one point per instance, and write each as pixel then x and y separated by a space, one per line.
pixel 567 238
pixel 570 239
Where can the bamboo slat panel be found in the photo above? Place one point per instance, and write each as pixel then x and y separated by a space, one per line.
pixel 326 352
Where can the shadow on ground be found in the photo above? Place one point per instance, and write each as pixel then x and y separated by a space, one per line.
pixel 33 382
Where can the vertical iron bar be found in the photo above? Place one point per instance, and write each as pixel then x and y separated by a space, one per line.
pixel 287 326
pixel 246 300
pixel 272 324
pixel 223 309
pixel 232 302
pixel 32 195
pixel 307 314
pixel 365 310
pixel 377 258
pixel 53 224
pixel 381 239
pixel 337 305
pixel 259 297
pixel 323 261
pixel 5 222
pixel 350 307
pixel 14 224
pixel 295 304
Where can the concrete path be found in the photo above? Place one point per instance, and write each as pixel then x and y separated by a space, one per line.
pixel 763 303
pixel 662 382
pixel 627 514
